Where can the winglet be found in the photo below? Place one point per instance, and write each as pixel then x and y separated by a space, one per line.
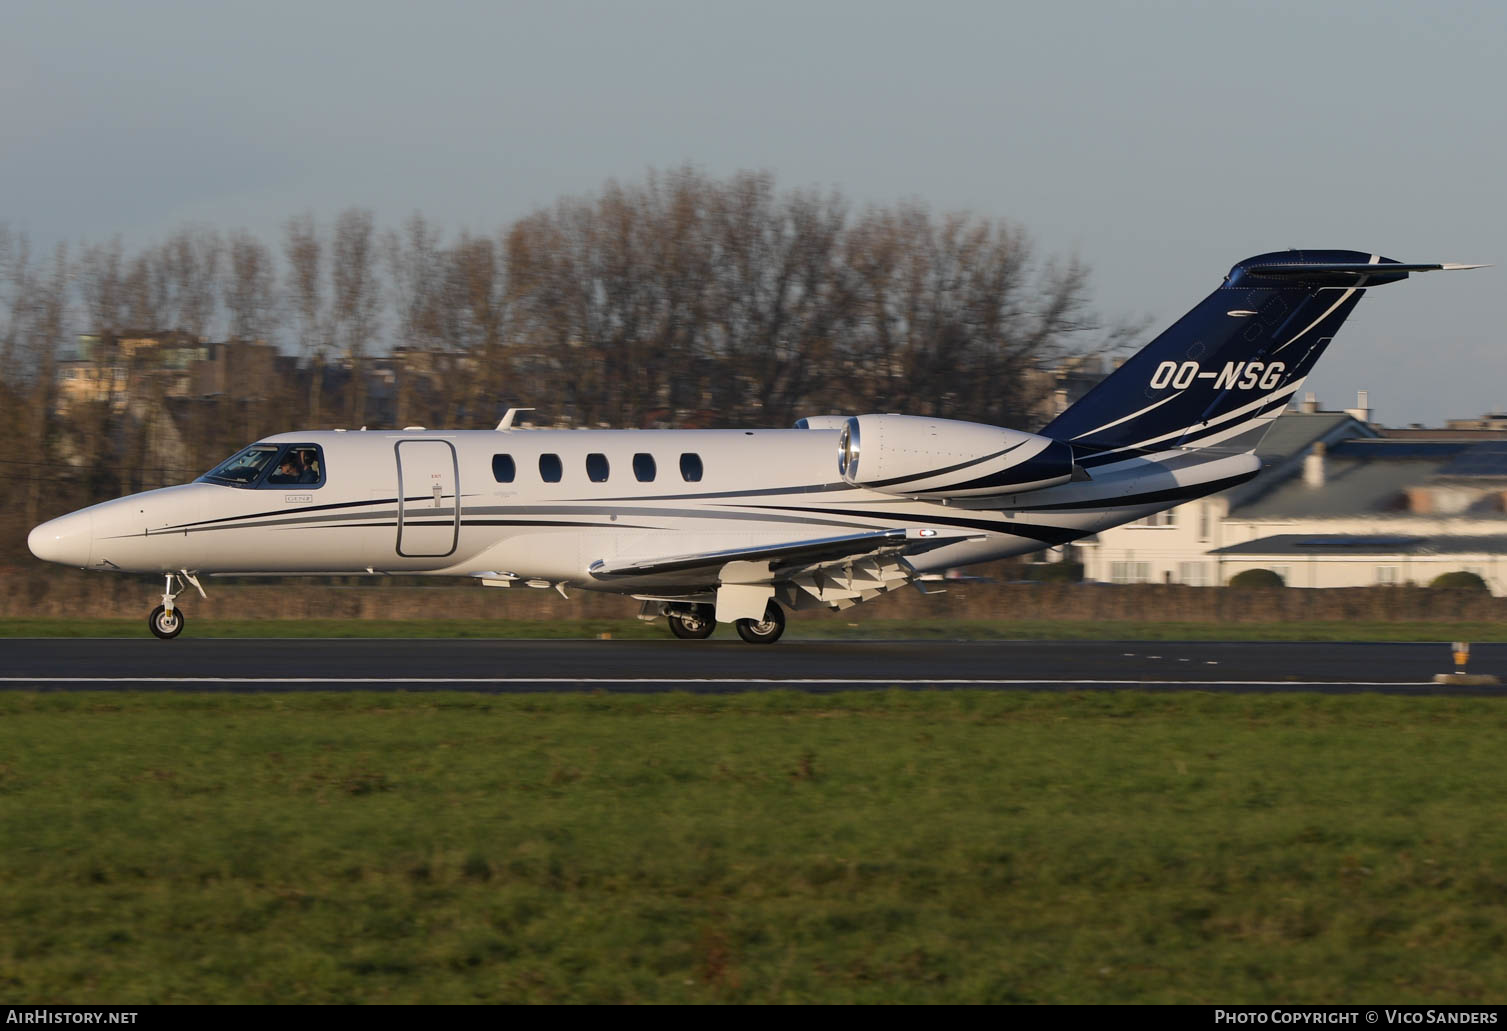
pixel 1453 266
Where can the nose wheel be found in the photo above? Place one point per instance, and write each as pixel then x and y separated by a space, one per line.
pixel 166 620
pixel 165 624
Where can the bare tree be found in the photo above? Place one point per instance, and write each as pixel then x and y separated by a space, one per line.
pixel 356 298
pixel 102 288
pixel 15 280
pixel 147 304
pixel 609 298
pixel 777 300
pixel 546 313
pixel 417 268
pixel 44 321
pixel 478 282
pixel 250 288
pixel 953 316
pixel 304 248
pixel 187 267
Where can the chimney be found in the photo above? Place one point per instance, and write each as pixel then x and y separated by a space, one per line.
pixel 1313 466
pixel 1362 409
pixel 1310 403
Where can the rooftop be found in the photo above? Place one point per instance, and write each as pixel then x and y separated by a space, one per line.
pixel 1317 545
pixel 1384 475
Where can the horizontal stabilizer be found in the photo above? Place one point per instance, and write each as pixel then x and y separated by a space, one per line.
pixel 1342 273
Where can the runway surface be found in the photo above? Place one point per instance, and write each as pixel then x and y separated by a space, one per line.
pixel 723 666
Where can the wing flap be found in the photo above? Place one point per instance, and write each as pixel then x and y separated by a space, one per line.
pixel 785 555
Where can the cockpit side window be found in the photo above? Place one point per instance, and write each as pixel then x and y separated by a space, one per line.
pixel 300 465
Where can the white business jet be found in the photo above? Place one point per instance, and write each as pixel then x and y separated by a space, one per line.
pixel 716 526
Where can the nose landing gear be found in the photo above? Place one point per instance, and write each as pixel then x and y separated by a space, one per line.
pixel 166 621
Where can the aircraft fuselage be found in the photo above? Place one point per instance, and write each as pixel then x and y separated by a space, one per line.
pixel 431 502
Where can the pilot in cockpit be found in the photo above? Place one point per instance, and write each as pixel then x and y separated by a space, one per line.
pixel 289 471
pixel 308 461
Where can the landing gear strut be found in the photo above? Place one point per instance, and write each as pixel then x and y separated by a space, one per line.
pixel 693 625
pixel 766 630
pixel 166 621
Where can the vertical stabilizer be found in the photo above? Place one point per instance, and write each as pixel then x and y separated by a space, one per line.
pixel 1219 376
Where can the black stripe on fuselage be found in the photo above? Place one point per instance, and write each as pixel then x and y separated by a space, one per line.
pixel 798 513
pixel 392 524
pixel 260 517
pixel 471 517
pixel 282 511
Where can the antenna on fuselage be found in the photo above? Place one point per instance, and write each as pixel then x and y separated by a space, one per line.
pixel 507 418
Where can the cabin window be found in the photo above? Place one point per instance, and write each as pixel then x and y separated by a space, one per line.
pixel 690 467
pixel 643 468
pixel 550 469
pixel 504 469
pixel 596 467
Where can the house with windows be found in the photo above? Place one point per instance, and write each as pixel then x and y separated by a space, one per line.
pixel 1339 503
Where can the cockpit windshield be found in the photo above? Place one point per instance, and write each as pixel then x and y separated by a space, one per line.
pixel 246 468
pixel 271 465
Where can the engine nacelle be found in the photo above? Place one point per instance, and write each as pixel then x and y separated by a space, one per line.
pixel 821 422
pixel 943 458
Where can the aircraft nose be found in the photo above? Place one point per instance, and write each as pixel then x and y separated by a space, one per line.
pixel 66 540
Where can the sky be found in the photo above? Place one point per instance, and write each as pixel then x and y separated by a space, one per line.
pixel 1159 142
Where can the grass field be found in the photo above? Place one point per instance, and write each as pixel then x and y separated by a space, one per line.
pixel 884 847
pixel 799 629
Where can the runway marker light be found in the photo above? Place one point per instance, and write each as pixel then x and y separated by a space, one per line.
pixel 1462 655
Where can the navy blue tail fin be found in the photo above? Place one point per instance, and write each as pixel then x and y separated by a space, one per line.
pixel 1222 372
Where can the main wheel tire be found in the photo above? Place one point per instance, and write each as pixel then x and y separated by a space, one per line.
pixel 765 631
pixel 693 626
pixel 166 626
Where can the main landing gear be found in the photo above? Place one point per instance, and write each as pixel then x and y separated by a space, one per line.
pixel 763 631
pixel 693 625
pixel 696 623
pixel 166 620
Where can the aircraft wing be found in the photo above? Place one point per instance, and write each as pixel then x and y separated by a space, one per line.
pixel 784 556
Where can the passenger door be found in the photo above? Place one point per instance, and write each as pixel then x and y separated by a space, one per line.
pixel 428 498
